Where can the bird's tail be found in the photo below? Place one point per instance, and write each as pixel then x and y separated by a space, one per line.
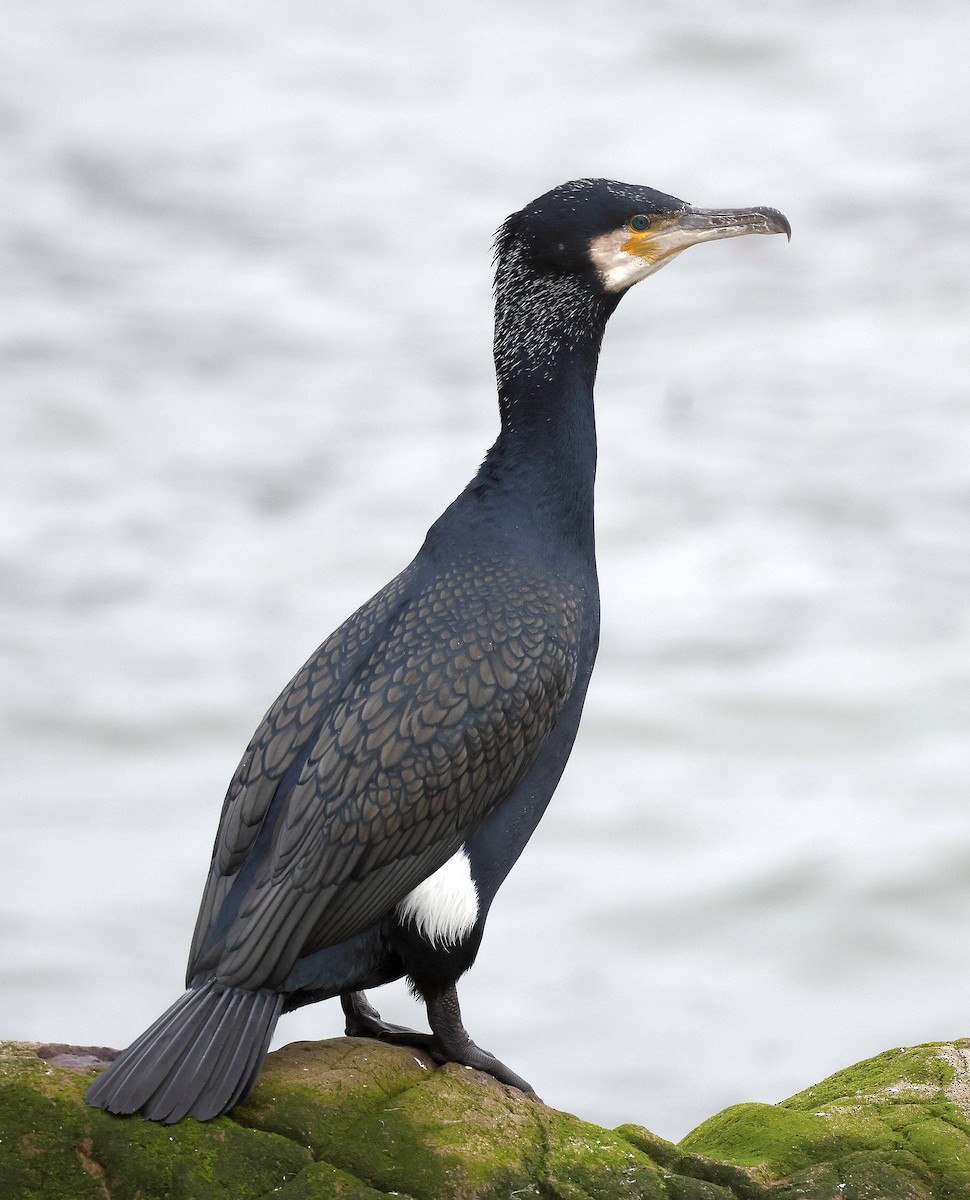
pixel 199 1059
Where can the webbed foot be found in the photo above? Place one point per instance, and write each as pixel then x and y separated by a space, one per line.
pixel 450 1042
pixel 363 1020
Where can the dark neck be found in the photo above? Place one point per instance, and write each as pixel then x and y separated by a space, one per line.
pixel 548 331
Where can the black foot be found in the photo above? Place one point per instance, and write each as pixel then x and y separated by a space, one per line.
pixel 363 1020
pixel 451 1042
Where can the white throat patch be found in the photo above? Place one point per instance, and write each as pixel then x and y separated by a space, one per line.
pixel 443 907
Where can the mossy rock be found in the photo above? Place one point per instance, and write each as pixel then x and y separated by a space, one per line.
pixel 897 1125
pixel 357 1120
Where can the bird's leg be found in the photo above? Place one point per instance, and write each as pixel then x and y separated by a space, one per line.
pixel 450 1041
pixel 363 1020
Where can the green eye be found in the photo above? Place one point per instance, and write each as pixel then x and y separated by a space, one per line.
pixel 639 223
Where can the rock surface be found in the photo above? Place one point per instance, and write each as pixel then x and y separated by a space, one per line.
pixel 358 1120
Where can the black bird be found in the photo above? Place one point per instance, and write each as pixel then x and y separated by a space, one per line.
pixel 392 786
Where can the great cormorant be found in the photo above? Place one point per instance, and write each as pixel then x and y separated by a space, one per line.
pixel 394 783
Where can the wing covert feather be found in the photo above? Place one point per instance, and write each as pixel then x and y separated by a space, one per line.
pixel 433 727
pixel 280 744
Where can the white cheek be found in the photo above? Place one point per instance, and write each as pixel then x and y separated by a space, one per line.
pixel 444 907
pixel 623 270
pixel 619 270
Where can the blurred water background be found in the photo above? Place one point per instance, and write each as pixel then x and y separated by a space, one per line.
pixel 245 336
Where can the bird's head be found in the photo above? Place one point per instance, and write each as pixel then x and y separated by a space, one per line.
pixel 616 234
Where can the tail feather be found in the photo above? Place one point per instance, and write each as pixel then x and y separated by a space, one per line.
pixel 248 1060
pixel 142 1058
pixel 213 1094
pixel 199 1059
pixel 178 1093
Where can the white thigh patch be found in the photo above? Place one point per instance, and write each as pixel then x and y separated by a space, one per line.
pixel 444 907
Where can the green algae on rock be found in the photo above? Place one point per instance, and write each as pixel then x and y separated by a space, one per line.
pixel 897 1125
pixel 358 1120
pixel 386 1116
pixel 54 1147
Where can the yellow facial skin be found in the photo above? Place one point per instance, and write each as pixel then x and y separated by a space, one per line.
pixel 650 244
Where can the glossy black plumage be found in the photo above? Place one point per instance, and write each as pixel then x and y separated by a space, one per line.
pixel 413 719
pixel 436 719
